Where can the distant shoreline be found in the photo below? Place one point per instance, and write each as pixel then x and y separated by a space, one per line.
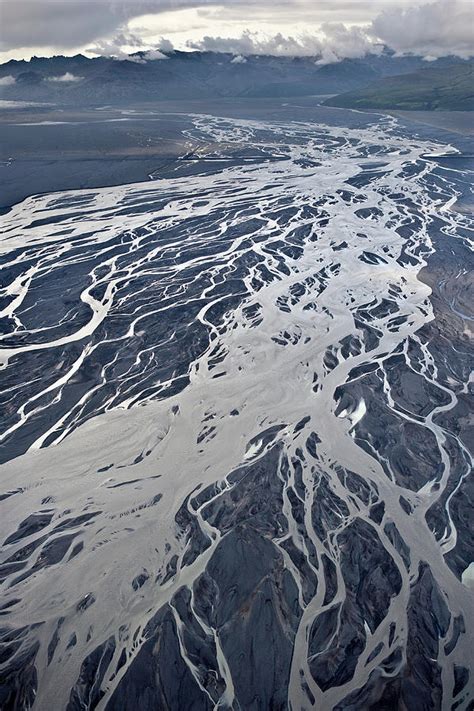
pixel 461 122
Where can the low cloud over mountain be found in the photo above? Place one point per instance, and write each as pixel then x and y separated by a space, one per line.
pixel 66 77
pixel 7 80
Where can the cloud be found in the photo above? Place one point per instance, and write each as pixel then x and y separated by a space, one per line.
pixel 328 29
pixel 113 47
pixel 238 59
pixel 68 24
pixel 334 42
pixel 47 23
pixel 258 43
pixel 433 30
pixel 341 42
pixel 153 54
pixel 164 45
pixel 65 77
pixel 7 81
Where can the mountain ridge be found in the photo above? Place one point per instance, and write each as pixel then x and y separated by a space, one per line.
pixel 435 88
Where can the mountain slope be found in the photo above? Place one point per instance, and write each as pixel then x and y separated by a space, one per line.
pixel 449 87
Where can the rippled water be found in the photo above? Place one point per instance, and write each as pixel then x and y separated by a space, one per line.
pixel 227 478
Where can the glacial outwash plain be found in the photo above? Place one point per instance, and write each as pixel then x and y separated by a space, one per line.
pixel 236 412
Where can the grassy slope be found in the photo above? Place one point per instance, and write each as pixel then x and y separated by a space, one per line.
pixel 448 88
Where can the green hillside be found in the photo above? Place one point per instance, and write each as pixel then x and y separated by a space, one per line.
pixel 448 88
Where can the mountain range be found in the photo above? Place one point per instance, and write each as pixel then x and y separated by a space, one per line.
pixel 82 81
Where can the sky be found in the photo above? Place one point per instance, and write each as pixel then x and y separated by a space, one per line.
pixel 330 29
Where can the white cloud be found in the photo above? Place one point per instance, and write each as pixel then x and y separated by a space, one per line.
pixel 7 81
pixel 164 45
pixel 259 43
pixel 119 47
pixel 124 45
pixel 65 78
pixel 432 30
pixel 238 59
pixel 341 42
pixel 334 42
pixel 152 54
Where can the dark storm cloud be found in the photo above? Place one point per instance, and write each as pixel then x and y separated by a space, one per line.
pixel 71 23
